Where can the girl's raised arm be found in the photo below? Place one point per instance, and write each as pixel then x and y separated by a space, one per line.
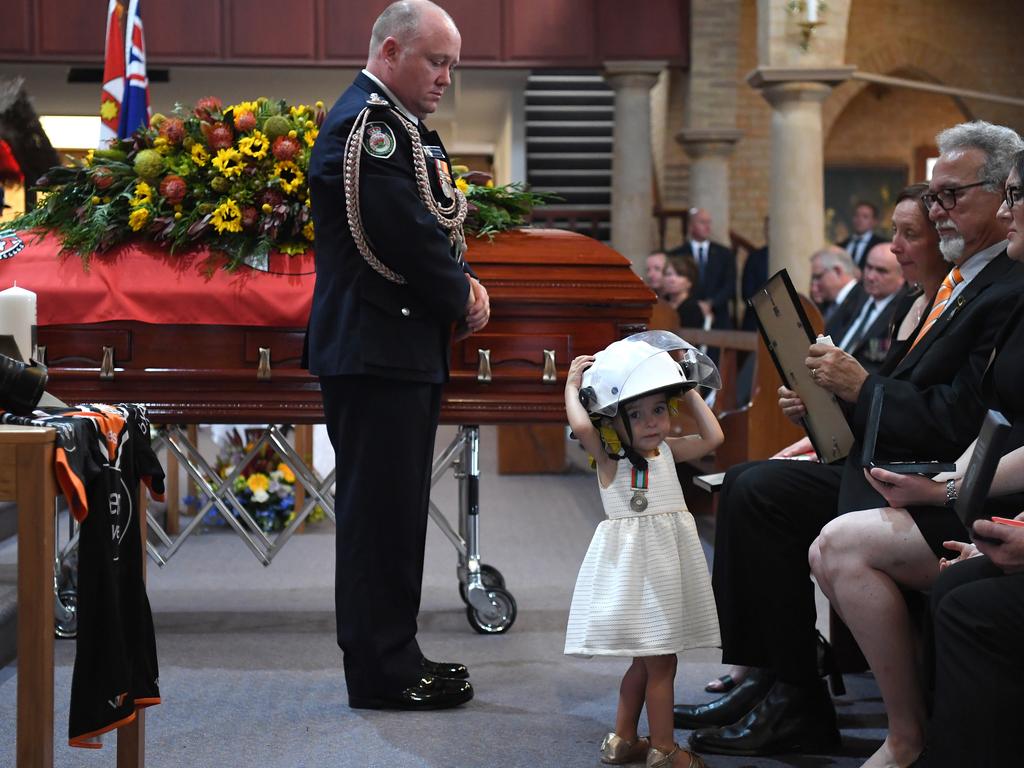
pixel 710 431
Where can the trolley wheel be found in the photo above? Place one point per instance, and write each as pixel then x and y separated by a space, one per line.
pixel 496 619
pixel 489 575
pixel 65 623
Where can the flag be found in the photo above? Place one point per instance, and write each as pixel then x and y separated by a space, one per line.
pixel 135 105
pixel 113 75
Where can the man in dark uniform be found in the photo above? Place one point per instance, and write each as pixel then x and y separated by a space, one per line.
pixel 390 287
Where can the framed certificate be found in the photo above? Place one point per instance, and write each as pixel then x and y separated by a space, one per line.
pixel 788 333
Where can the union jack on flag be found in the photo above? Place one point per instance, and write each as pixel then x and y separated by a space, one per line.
pixel 135 105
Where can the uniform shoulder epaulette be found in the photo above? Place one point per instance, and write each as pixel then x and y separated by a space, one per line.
pixel 376 100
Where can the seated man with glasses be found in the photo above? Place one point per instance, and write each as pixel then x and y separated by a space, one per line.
pixel 770 512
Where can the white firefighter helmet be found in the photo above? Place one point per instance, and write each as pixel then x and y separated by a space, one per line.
pixel 642 364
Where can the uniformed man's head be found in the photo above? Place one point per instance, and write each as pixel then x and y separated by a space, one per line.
pixel 414 47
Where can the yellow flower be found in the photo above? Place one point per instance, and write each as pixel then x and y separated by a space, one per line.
pixel 137 218
pixel 199 155
pixel 299 111
pixel 319 105
pixel 256 145
pixel 227 217
pixel 89 157
pixel 228 162
pixel 162 145
pixel 267 208
pixel 143 194
pixel 307 231
pixel 288 173
pixel 489 184
pixel 258 482
pixel 245 106
pixel 177 215
pixel 286 472
pixel 95 200
pixel 462 184
pixel 311 135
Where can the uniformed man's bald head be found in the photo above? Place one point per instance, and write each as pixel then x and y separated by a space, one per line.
pixel 401 21
pixel 414 48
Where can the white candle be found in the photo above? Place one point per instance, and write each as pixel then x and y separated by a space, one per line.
pixel 18 317
pixel 812 10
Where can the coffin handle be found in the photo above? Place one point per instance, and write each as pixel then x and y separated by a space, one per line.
pixel 107 366
pixel 40 353
pixel 550 375
pixel 263 369
pixel 483 370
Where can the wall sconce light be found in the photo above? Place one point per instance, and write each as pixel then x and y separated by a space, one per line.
pixel 808 13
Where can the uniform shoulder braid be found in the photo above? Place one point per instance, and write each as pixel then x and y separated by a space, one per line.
pixel 373 132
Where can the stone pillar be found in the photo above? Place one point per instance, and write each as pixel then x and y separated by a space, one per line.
pixel 797 190
pixel 710 152
pixel 632 174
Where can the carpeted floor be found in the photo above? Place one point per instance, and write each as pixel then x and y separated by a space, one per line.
pixel 251 675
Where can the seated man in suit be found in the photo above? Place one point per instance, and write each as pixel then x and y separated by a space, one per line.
pixel 834 288
pixel 770 512
pixel 867 337
pixel 716 267
pixel 863 239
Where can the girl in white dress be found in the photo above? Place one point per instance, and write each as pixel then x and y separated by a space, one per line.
pixel 643 590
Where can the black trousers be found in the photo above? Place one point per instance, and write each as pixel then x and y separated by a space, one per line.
pixel 769 513
pixel 383 434
pixel 979 667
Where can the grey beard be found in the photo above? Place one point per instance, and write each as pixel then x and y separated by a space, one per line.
pixel 952 248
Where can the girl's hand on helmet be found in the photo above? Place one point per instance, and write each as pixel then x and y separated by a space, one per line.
pixel 576 369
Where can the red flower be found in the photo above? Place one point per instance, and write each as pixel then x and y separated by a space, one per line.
pixel 206 105
pixel 285 148
pixel 173 189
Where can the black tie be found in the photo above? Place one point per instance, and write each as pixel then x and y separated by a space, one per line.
pixel 858 329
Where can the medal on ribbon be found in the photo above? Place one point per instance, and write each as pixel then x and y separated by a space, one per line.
pixel 638 484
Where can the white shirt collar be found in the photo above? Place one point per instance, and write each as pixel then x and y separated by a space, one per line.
pixel 392 98
pixel 980 260
pixel 844 292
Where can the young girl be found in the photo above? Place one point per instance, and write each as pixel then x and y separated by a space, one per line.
pixel 643 589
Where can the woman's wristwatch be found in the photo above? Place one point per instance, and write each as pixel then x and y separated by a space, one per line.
pixel 951 493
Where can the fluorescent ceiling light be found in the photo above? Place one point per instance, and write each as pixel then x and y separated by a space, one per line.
pixel 72 131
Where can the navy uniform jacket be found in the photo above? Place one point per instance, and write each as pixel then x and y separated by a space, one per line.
pixel 360 322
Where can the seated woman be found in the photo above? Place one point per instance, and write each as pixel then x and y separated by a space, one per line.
pixel 678 285
pixel 916 246
pixel 862 560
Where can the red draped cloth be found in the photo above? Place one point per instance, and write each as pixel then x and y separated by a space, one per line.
pixel 145 283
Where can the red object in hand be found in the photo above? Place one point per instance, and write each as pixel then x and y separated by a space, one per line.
pixel 1008 521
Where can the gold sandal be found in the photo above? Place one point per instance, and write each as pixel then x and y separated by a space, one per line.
pixel 658 759
pixel 617 751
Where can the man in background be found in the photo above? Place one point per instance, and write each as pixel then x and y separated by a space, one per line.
pixel 716 267
pixel 863 239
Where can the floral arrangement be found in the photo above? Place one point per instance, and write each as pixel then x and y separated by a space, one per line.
pixel 265 486
pixel 232 178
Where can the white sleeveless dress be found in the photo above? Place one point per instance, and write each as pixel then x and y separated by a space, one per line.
pixel 643 588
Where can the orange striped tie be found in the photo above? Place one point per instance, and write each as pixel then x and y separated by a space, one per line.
pixel 953 279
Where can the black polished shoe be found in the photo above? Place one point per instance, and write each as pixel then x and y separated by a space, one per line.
pixel 429 692
pixel 450 669
pixel 727 709
pixel 790 719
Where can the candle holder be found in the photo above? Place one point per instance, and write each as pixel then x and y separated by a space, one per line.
pixel 809 12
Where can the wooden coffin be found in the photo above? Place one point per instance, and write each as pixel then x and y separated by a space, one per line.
pixel 554 295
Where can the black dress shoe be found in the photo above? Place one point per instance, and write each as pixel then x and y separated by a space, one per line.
pixel 449 669
pixel 790 719
pixel 726 709
pixel 429 692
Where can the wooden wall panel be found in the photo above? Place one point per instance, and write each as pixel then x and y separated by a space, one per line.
pixel 70 29
pixel 346 26
pixel 183 30
pixel 16 30
pixel 658 30
pixel 265 30
pixel 479 21
pixel 550 30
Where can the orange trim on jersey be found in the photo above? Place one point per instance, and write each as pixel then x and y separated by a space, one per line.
pixel 141 703
pixel 71 486
pixel 148 480
pixel 82 740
